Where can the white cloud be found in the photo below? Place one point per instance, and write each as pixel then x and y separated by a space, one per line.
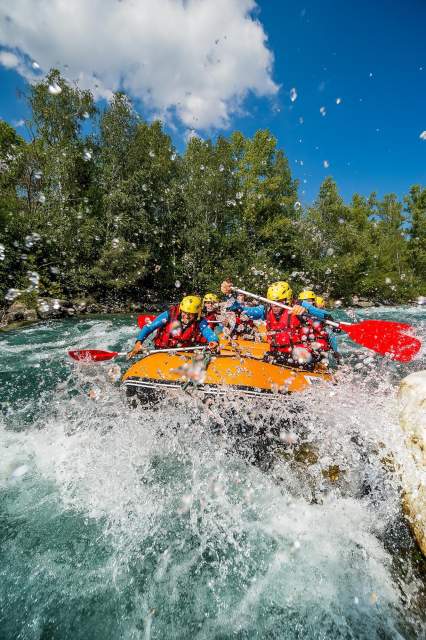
pixel 8 59
pixel 197 59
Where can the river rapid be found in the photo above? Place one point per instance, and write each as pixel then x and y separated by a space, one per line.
pixel 147 523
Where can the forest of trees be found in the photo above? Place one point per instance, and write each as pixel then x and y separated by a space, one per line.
pixel 99 203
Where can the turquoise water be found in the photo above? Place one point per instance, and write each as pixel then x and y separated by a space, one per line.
pixel 121 523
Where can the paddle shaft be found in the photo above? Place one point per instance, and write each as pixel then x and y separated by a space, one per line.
pixel 278 304
pixel 175 350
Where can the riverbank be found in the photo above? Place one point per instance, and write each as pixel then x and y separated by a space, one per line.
pixel 20 313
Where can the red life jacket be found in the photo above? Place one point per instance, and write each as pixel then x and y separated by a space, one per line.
pixel 173 335
pixel 211 319
pixel 284 331
pixel 247 323
pixel 321 336
pixel 314 335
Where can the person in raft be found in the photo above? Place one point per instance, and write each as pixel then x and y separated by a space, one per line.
pixel 285 329
pixel 211 312
pixel 320 329
pixel 180 326
pixel 244 326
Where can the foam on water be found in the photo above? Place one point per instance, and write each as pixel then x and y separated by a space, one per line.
pixel 151 524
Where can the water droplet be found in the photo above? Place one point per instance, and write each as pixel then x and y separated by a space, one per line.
pixel 422 136
pixel 338 100
pixel 330 251
pixel 87 154
pixel 54 89
pixel 34 279
pixel 177 284
pixel 20 471
pixel 326 164
pixel 221 167
pixel 115 242
pixel 297 205
pixel 31 240
pixel 151 154
pixel 186 503
pixel 12 294
pixel 2 252
pixel 41 198
pixel 388 281
pixel 323 111
pixel 35 65
pixel 293 94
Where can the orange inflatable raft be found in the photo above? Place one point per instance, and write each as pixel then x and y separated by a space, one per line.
pixel 239 367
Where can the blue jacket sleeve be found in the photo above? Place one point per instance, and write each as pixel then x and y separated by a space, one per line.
pixel 321 314
pixel 255 313
pixel 157 323
pixel 232 304
pixel 208 333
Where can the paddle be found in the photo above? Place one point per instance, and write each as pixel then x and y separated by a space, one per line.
pixel 382 336
pixel 96 355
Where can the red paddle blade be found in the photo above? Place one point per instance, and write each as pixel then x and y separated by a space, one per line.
pixel 144 318
pixel 92 355
pixel 384 338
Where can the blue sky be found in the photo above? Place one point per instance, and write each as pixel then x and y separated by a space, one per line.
pixel 371 55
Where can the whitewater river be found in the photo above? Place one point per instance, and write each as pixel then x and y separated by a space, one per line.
pixel 137 524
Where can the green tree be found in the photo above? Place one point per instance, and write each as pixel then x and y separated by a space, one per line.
pixel 416 210
pixel 270 209
pixel 11 146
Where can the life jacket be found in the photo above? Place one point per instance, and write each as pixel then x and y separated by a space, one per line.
pixel 314 333
pixel 248 322
pixel 211 319
pixel 243 328
pixel 173 335
pixel 284 331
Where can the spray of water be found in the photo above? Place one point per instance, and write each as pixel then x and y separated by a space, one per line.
pixel 187 519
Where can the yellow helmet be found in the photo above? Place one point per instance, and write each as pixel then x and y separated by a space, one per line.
pixel 279 291
pixel 306 295
pixel 210 297
pixel 320 302
pixel 191 304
